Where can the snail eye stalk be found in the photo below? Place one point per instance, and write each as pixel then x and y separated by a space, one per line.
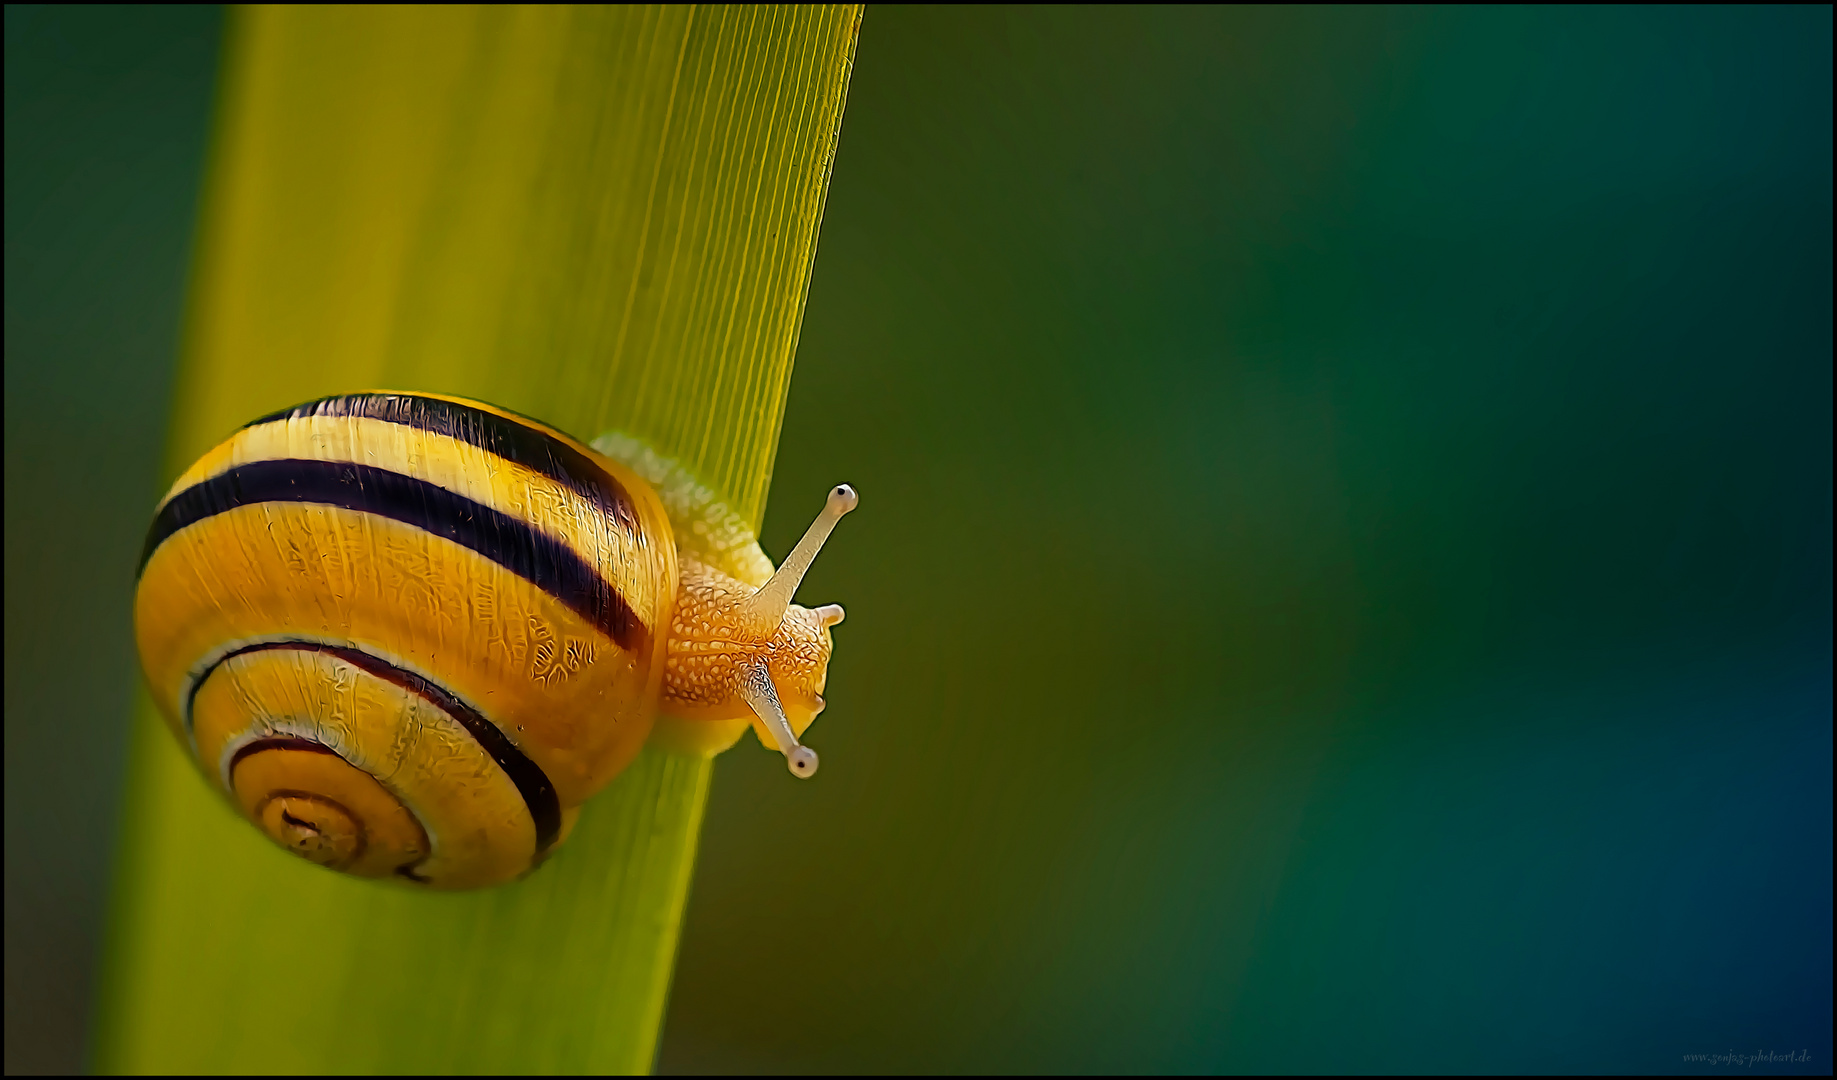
pixel 762 696
pixel 760 613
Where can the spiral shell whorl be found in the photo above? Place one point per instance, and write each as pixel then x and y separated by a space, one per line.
pixel 318 806
pixel 357 764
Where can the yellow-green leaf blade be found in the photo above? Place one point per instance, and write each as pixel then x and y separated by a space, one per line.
pixel 603 217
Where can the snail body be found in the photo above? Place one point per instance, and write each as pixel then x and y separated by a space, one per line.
pixel 409 635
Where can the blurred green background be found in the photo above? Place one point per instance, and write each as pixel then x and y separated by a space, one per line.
pixel 1343 579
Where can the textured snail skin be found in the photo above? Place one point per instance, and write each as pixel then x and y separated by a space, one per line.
pixel 408 635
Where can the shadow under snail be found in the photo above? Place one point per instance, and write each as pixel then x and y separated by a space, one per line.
pixel 409 635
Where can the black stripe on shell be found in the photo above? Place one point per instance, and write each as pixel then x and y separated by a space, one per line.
pixel 512 440
pixel 543 561
pixel 290 742
pixel 532 783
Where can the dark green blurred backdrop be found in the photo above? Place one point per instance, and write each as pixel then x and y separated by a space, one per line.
pixel 1344 571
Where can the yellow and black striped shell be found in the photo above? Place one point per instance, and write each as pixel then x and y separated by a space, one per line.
pixel 406 634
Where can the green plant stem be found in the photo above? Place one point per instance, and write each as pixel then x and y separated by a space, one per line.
pixel 601 217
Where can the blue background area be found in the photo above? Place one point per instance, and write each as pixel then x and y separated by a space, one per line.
pixel 1343 579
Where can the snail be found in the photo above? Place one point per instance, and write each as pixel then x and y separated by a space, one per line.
pixel 408 635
